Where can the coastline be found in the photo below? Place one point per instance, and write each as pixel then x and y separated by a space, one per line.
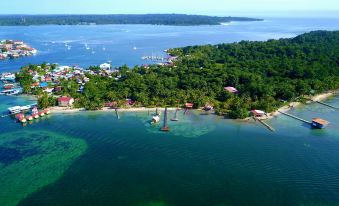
pixel 291 105
pixel 60 110
pixel 285 108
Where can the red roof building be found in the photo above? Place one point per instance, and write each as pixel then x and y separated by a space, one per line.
pixel 65 101
pixel 189 105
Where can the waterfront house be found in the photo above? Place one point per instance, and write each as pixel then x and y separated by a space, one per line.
pixel 65 101
pixel 231 90
pixel 189 105
pixel 258 113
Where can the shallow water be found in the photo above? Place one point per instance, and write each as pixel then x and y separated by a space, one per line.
pixel 204 160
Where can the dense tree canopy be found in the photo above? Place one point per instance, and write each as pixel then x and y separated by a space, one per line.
pixel 155 19
pixel 267 74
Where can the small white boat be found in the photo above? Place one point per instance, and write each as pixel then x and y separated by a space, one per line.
pixel 156 119
pixel 14 110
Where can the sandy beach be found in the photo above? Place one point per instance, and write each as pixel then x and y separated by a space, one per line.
pixel 271 115
pixel 286 108
pixel 106 109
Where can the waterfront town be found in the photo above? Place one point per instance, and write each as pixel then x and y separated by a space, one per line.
pixel 15 49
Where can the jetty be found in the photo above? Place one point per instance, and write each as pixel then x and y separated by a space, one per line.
pixel 175 118
pixel 328 105
pixel 165 128
pixel 264 123
pixel 295 117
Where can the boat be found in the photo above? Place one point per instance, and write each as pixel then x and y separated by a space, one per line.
pixel 19 109
pixel 8 86
pixel 319 123
pixel 155 119
pixel 11 92
pixel 175 118
pixel 135 48
pixel 7 77
pixel 21 118
pixel 14 110
pixel 47 111
pixel 165 128
pixel 35 116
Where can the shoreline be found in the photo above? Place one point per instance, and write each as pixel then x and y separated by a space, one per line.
pixel 285 108
pixel 291 105
pixel 61 110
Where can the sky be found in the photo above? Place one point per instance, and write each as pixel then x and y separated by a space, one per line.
pixel 325 8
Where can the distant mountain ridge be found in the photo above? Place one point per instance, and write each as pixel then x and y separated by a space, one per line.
pixel 154 19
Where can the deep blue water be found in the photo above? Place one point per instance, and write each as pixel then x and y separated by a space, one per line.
pixel 116 42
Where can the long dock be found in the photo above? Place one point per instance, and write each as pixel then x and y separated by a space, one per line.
pixel 295 117
pixel 265 124
pixel 328 105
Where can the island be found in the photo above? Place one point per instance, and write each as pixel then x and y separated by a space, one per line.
pixel 15 49
pixel 154 19
pixel 234 79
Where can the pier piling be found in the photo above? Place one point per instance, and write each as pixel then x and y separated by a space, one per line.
pixel 117 113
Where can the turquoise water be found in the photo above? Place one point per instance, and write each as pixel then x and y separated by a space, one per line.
pixel 204 160
pixel 93 158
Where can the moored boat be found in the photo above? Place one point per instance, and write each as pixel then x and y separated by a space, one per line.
pixel 29 118
pixel 8 86
pixel 14 110
pixel 21 118
pixel 47 111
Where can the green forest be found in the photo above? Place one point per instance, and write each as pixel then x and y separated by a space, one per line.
pixel 267 75
pixel 154 19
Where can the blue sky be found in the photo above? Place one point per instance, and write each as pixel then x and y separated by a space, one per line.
pixel 211 7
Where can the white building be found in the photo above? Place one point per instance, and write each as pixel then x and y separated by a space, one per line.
pixel 105 66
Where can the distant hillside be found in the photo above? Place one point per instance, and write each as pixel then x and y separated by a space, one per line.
pixel 155 19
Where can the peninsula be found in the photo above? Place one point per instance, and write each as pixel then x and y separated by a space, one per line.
pixel 154 19
pixel 15 49
pixel 233 78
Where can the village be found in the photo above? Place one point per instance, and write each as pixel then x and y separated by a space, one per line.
pixel 15 49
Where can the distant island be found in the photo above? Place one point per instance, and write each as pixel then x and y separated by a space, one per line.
pixel 233 78
pixel 154 19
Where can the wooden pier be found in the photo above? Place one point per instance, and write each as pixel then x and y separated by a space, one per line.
pixel 328 105
pixel 265 124
pixel 295 117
